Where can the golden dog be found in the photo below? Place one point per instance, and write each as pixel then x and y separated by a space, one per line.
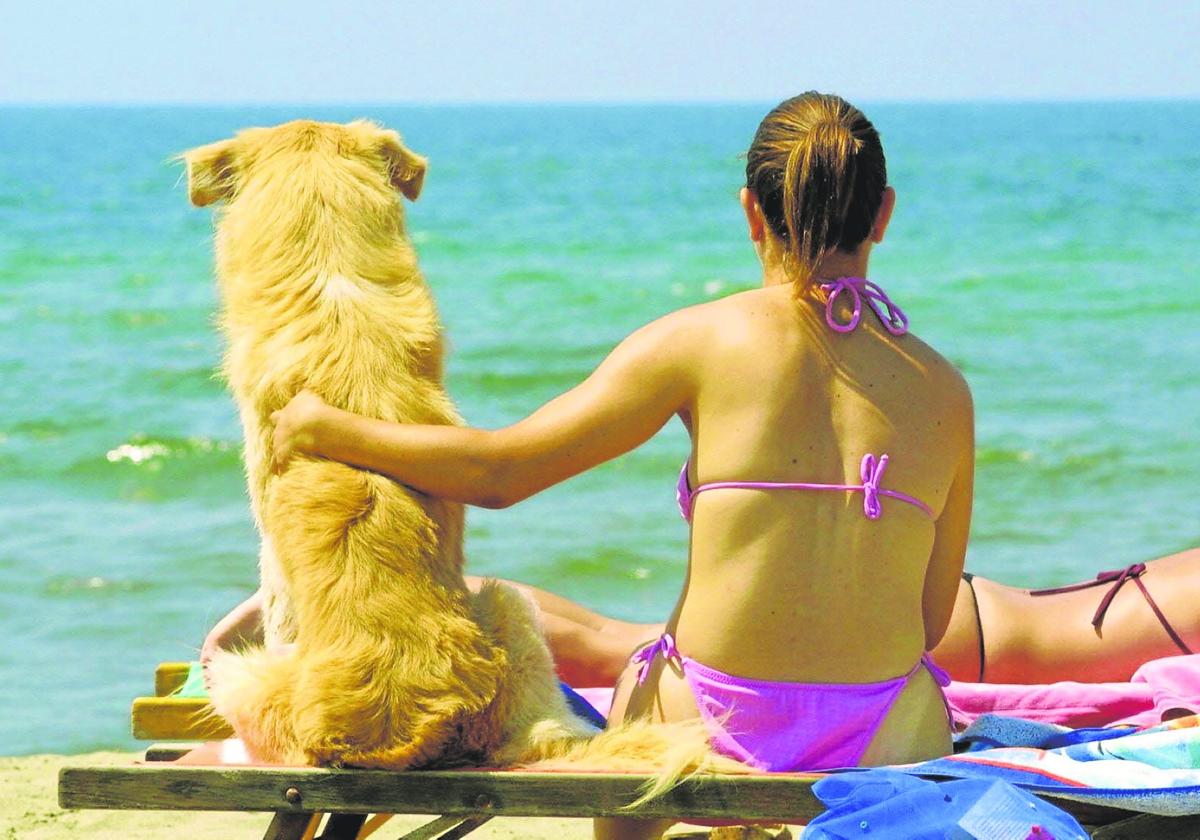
pixel 392 663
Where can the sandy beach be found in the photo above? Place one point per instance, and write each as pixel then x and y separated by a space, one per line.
pixel 29 811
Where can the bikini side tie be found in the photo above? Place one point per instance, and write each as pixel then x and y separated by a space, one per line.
pixel 890 315
pixel 665 644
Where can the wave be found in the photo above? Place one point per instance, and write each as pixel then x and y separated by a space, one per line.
pixel 146 468
pixel 71 586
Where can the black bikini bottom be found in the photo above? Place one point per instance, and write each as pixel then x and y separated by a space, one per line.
pixel 970 581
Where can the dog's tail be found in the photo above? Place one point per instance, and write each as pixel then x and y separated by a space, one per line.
pixel 667 752
pixel 253 689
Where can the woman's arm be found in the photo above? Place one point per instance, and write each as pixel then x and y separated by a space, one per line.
pixel 630 396
pixel 944 574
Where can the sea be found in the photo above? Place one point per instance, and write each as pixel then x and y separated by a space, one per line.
pixel 1051 251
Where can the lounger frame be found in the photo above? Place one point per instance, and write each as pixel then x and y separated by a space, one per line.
pixel 465 799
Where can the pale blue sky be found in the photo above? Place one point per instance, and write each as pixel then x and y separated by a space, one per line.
pixel 223 51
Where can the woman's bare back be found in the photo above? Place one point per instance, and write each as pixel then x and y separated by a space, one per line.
pixel 782 398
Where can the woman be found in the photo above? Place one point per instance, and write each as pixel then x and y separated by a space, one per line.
pixel 829 484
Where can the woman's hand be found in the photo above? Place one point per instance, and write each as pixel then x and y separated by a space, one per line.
pixel 296 428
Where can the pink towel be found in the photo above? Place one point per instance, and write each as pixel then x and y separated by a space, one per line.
pixel 1159 690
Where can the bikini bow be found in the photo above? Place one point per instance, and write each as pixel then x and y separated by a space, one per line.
pixel 890 315
pixel 664 644
pixel 872 473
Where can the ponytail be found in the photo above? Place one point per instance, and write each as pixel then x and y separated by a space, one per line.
pixel 817 168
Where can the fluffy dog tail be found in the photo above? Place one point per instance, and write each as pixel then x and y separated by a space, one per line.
pixel 253 690
pixel 669 753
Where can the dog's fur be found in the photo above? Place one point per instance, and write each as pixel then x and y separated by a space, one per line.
pixel 394 663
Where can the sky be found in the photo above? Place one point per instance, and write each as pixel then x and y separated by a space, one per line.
pixel 355 51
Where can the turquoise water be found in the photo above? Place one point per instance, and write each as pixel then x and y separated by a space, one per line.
pixel 1052 251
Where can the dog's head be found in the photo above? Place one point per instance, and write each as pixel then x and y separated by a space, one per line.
pixel 257 160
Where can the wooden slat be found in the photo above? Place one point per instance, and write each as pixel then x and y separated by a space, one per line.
pixel 375 823
pixel 434 829
pixel 507 793
pixel 288 826
pixel 464 828
pixel 171 751
pixel 169 677
pixel 446 828
pixel 1151 827
pixel 343 827
pixel 177 719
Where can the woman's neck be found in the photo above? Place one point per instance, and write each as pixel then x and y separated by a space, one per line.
pixel 833 265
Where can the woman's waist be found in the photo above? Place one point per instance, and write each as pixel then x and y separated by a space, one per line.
pixel 761 644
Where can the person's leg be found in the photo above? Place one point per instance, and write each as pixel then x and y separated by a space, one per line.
pixel 589 649
pixel 241 627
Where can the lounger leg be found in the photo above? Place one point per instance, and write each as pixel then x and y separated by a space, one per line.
pixel 447 828
pixel 289 825
pixel 1150 827
pixel 343 827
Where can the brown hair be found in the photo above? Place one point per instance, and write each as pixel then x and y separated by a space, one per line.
pixel 817 168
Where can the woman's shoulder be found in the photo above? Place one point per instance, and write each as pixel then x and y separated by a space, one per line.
pixel 945 389
pixel 700 323
pixel 939 369
pixel 741 313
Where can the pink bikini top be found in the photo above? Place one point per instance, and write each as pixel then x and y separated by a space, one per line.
pixel 872 468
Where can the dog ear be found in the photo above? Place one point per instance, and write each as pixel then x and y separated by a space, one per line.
pixel 210 172
pixel 406 169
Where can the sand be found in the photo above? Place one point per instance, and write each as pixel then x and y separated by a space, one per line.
pixel 29 811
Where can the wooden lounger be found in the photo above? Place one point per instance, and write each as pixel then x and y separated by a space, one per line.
pixel 165 717
pixel 466 799
pixel 462 799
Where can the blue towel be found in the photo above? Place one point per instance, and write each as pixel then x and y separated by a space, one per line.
pixel 582 707
pixel 878 803
pixel 991 730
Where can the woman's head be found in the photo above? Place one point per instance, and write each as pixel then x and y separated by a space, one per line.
pixel 817 169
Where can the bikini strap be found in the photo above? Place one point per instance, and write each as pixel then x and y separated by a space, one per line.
pixel 664 644
pixel 870 470
pixel 1117 578
pixel 893 319
pixel 940 676
pixel 683 492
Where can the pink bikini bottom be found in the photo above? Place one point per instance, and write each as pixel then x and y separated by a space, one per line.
pixel 787 726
